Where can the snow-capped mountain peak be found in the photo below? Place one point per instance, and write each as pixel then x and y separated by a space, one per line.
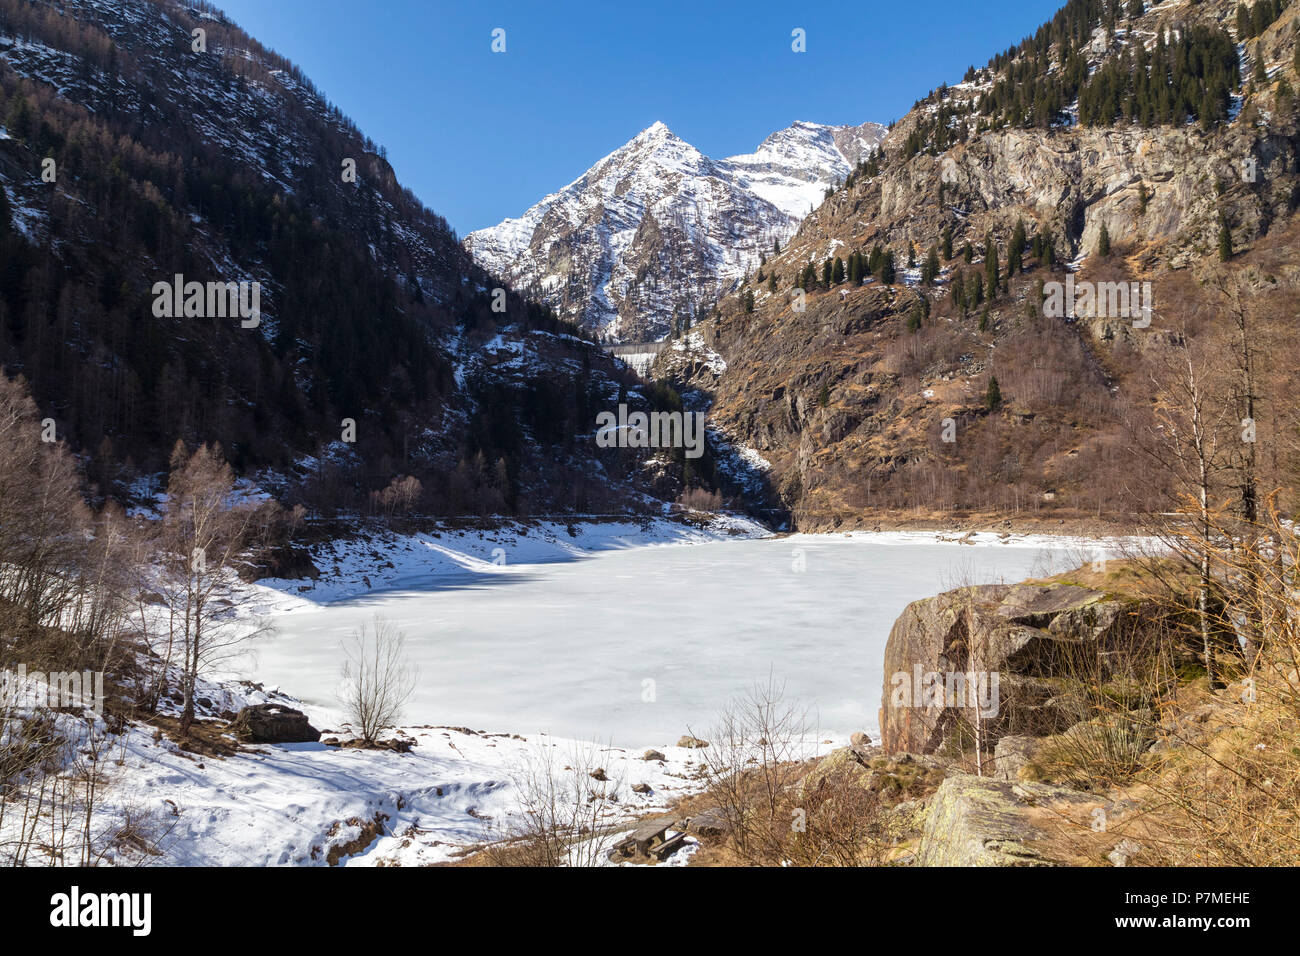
pixel 653 233
pixel 655 131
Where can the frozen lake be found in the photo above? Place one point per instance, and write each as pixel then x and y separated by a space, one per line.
pixel 636 646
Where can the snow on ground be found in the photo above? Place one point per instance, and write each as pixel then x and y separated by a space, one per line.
pixel 293 804
pixel 456 787
pixel 289 804
pixel 740 464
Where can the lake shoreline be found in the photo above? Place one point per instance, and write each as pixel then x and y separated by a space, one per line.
pixel 355 563
pixel 473 759
pixel 565 628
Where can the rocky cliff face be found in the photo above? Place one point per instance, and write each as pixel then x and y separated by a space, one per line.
pixel 655 232
pixel 868 397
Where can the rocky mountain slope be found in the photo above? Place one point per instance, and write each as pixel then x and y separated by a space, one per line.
pixel 867 388
pixel 655 232
pixel 146 139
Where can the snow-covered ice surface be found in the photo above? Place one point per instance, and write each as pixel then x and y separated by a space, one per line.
pixel 558 636
pixel 595 638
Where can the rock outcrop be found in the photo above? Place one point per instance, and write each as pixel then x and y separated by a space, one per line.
pixel 1013 753
pixel 976 821
pixel 994 655
pixel 273 724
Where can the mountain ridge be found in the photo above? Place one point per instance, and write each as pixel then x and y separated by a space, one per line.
pixel 643 242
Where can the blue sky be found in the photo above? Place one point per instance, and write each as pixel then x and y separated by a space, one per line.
pixel 481 136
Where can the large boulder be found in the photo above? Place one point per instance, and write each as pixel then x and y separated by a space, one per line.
pixel 991 658
pixel 273 724
pixel 976 821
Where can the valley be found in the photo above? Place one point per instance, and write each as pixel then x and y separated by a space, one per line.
pixel 912 494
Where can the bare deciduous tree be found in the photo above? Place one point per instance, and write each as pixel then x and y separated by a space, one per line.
pixel 757 750
pixel 401 495
pixel 378 679
pixel 1187 442
pixel 203 534
pixel 568 809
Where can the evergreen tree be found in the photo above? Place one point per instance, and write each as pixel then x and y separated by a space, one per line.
pixel 771 282
pixel 888 272
pixel 1103 242
pixel 1015 255
pixel 914 320
pixel 946 250
pixel 993 395
pixel 1225 240
pixel 837 271
pixel 1144 197
pixel 968 254
pixel 827 270
pixel 930 270
pixel 991 266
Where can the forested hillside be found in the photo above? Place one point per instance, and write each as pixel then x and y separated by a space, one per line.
pixel 150 139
